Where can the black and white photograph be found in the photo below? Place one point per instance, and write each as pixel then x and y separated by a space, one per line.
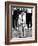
pixel 21 22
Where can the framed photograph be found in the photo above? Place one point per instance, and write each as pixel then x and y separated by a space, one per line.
pixel 20 22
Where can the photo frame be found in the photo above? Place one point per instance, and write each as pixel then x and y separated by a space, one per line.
pixel 20 22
